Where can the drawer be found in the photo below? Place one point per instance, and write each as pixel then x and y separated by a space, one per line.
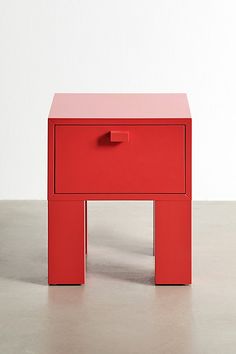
pixel 119 159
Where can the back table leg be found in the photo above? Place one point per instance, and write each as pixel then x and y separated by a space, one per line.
pixel 66 242
pixel 172 220
pixel 86 226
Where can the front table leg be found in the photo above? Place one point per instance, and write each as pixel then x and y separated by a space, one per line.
pixel 66 242
pixel 172 220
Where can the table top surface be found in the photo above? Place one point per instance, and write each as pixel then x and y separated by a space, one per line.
pixel 120 105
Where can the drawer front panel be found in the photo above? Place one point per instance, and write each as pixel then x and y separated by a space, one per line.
pixel 120 159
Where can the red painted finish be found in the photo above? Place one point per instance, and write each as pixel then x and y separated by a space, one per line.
pixel 119 136
pixel 53 123
pixel 120 105
pixel 66 242
pixel 153 161
pixel 172 242
pixel 119 152
pixel 86 226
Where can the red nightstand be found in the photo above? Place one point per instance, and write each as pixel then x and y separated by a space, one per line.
pixel 119 147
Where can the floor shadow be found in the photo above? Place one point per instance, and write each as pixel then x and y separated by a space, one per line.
pixel 120 271
pixel 105 237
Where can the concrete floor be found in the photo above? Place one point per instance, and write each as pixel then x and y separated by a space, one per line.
pixel 119 310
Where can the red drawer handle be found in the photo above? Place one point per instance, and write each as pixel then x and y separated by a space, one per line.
pixel 117 136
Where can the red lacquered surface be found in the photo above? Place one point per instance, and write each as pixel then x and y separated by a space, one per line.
pixel 152 161
pixel 172 234
pixel 119 105
pixel 134 147
pixel 119 136
pixel 66 242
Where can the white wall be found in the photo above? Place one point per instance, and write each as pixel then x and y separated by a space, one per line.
pixel 52 46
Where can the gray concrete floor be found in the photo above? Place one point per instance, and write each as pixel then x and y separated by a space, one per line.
pixel 119 310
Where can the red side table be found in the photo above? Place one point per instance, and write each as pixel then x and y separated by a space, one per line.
pixel 119 147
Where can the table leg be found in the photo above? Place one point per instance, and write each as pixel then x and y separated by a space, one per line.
pixel 172 220
pixel 86 227
pixel 66 242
